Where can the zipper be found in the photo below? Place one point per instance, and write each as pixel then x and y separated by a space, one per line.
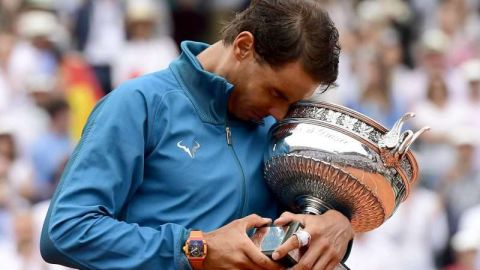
pixel 228 133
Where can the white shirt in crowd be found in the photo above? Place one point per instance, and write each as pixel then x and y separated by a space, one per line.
pixel 142 57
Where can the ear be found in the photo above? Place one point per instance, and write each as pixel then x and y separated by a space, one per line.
pixel 243 45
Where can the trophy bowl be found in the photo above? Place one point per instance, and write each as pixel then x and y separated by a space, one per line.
pixel 324 156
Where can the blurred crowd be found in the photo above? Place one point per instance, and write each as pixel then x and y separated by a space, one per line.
pixel 58 58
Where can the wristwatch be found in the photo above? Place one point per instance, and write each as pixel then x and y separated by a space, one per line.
pixel 196 249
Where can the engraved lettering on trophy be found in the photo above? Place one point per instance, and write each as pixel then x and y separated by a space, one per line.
pixel 323 132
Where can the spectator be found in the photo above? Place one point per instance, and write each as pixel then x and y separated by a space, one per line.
pixel 466 245
pixel 99 34
pixel 415 243
pixel 376 99
pixel 52 148
pixel 461 186
pixel 22 253
pixel 16 175
pixel 442 115
pixel 141 19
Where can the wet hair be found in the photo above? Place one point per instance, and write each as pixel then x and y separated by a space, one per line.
pixel 289 30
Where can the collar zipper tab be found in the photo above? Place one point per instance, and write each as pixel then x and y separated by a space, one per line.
pixel 229 135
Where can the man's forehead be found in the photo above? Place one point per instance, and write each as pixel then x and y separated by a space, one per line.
pixel 291 80
pixel 296 85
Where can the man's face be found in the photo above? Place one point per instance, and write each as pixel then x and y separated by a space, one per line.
pixel 474 90
pixel 261 91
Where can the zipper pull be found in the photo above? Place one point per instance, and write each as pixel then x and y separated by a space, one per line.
pixel 229 135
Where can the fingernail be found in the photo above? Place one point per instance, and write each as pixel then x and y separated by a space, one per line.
pixel 275 255
pixel 279 220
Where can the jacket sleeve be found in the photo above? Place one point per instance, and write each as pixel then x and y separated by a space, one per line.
pixel 83 228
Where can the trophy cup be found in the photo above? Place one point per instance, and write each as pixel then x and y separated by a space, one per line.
pixel 324 156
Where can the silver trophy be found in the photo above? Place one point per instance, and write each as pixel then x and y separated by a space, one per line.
pixel 324 156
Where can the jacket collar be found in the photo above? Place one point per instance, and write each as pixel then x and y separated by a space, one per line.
pixel 208 92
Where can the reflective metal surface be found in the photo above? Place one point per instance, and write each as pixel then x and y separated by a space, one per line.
pixel 324 156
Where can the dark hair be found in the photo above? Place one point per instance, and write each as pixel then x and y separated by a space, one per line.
pixel 55 106
pixel 9 140
pixel 290 30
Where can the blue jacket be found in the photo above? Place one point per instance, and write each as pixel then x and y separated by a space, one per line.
pixel 156 159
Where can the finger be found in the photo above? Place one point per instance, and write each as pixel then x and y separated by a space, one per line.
pixel 254 220
pixel 259 259
pixel 322 262
pixel 314 253
pixel 250 265
pixel 288 217
pixel 332 265
pixel 289 245
pixel 326 260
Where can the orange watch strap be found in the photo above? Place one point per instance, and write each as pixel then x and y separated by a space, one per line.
pixel 197 263
pixel 196 234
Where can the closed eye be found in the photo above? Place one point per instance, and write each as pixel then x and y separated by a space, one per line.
pixel 277 94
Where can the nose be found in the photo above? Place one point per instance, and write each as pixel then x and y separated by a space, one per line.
pixel 278 113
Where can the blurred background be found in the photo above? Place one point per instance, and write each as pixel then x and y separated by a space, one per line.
pixel 58 58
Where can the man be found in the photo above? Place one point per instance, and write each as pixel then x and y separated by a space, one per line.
pixel 175 157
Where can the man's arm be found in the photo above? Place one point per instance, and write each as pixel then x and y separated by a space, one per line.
pixel 82 228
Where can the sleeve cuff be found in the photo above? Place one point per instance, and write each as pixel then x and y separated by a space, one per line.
pixel 181 258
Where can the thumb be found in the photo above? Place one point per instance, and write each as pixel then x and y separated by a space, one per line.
pixel 286 218
pixel 253 221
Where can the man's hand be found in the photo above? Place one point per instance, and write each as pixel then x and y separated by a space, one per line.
pixel 229 247
pixel 330 233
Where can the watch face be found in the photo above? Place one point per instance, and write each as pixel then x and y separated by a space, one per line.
pixel 195 248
